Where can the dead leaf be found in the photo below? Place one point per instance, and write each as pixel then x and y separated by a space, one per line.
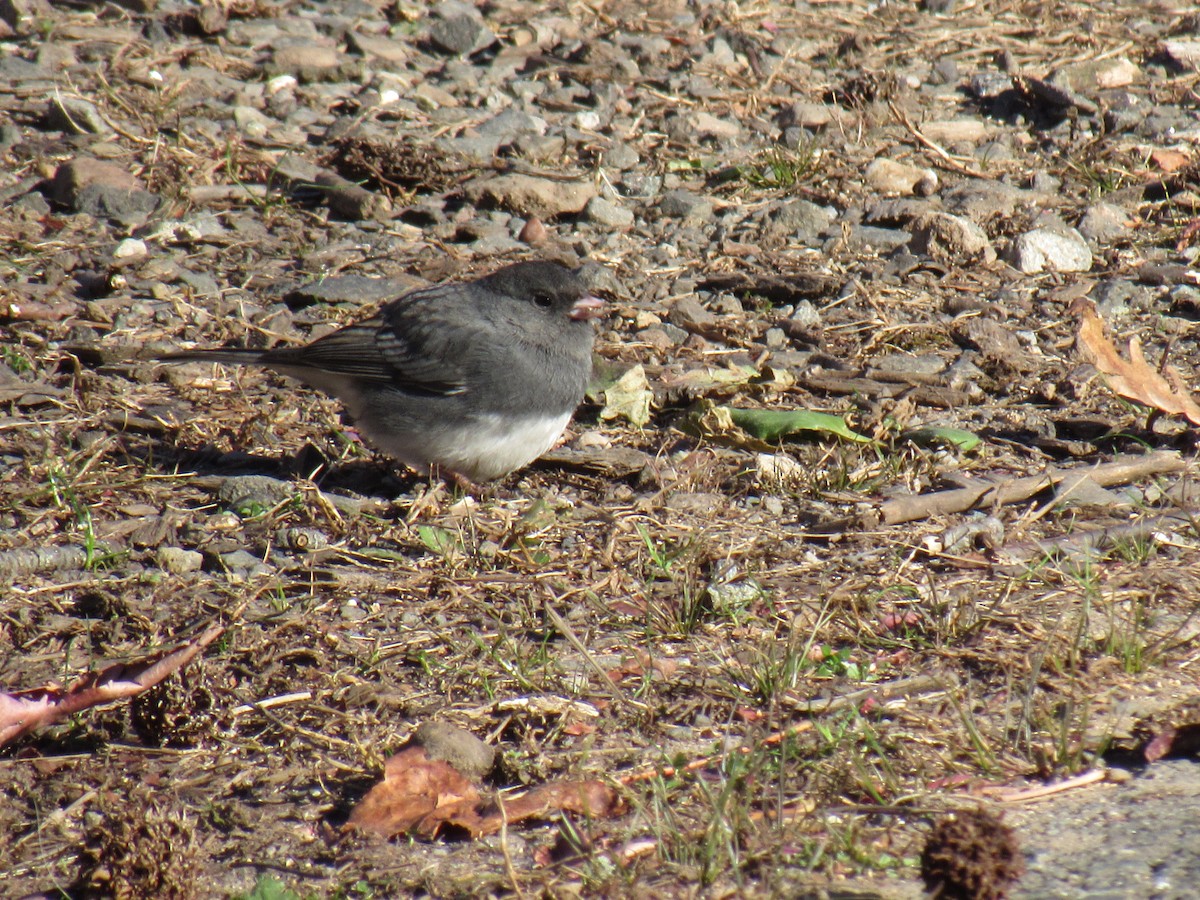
pixel 629 397
pixel 1133 379
pixel 1169 160
pixel 415 791
pixel 591 798
pixel 423 797
pixel 23 711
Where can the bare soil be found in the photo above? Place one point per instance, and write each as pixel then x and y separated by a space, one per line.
pixel 655 597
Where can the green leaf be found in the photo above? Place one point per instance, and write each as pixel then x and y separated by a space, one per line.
pixel 772 425
pixel 268 888
pixel 937 436
pixel 438 540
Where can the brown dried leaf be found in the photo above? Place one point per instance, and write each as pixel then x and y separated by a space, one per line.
pixel 1169 160
pixel 1134 378
pixel 1179 740
pixel 416 793
pixel 591 798
pixel 23 711
pixel 422 797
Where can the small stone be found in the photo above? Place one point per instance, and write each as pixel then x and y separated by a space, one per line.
pixel 1050 250
pixel 1105 223
pixel 813 116
pixel 955 131
pixel 130 248
pixel 982 201
pixel 990 85
pixel 469 756
pixel 806 314
pixel 252 123
pixel 528 195
pixel 352 612
pixel 689 313
pixel 803 218
pixel 533 232
pixel 102 189
pixel 621 156
pixel 511 124
pixel 358 290
pixel 588 120
pixel 950 239
pixel 386 49
pixel 178 561
pixel 242 561
pixel 254 494
pixel 305 58
pixel 605 212
pixel 704 125
pixel 1099 74
pixel 460 34
pixel 683 204
pixel 1183 55
pixel 76 116
pixel 700 502
pixel 893 177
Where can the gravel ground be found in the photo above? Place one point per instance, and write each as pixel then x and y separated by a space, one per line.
pixel 888 213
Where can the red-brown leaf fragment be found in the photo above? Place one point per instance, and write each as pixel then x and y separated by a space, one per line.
pixel 23 711
pixel 1133 379
pixel 415 791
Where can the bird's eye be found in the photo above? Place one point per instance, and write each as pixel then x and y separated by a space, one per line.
pixel 545 301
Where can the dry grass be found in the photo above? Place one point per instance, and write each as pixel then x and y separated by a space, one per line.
pixel 839 683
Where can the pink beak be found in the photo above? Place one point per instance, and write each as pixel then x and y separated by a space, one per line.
pixel 586 307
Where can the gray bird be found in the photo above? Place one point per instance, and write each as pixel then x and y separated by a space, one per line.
pixel 475 379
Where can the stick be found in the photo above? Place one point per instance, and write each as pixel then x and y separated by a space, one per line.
pixel 999 493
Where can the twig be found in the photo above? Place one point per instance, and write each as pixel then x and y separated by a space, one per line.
pixel 949 161
pixel 671 771
pixel 999 493
pixel 1099 538
pixel 918 684
pixel 1046 790
pixel 509 869
pixel 573 639
pixel 270 702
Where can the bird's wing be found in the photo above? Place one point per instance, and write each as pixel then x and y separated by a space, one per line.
pixel 419 342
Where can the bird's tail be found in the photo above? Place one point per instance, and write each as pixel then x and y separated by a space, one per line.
pixel 231 355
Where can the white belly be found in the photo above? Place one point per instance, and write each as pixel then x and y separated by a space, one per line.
pixel 489 447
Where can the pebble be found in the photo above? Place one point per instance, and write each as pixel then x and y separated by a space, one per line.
pixel 178 561
pixel 950 239
pixel 460 33
pixel 102 189
pixel 76 116
pixel 690 314
pixel 1050 250
pixel 257 493
pixel 529 195
pixel 1105 223
pixel 130 248
pixel 683 204
pixel 893 177
pixel 460 748
pixel 803 218
pixel 605 212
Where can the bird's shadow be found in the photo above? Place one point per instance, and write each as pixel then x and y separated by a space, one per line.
pixel 365 477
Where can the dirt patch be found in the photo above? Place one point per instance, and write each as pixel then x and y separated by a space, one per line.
pixel 791 651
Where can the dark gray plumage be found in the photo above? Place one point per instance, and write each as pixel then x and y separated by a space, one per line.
pixel 478 378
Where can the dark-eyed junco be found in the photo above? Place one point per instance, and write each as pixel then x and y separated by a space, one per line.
pixel 475 379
